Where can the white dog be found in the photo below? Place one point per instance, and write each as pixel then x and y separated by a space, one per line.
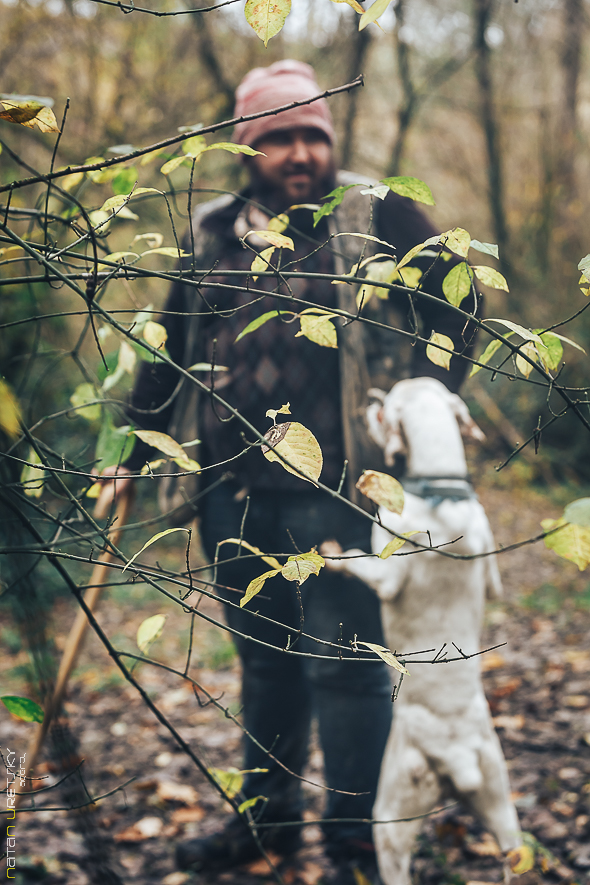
pixel 442 741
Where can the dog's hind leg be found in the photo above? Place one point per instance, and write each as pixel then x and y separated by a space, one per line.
pixel 492 802
pixel 408 788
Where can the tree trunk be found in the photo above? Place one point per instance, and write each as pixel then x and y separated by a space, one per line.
pixel 409 103
pixel 360 41
pixel 573 28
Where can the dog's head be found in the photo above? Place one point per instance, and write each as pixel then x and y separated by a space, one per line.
pixel 385 415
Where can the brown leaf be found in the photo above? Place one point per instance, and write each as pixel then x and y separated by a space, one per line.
pixel 30 114
pixel 170 791
pixel 188 815
pixel 513 723
pixel 261 868
pixel 146 828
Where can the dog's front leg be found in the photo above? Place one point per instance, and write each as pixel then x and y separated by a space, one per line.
pixel 357 564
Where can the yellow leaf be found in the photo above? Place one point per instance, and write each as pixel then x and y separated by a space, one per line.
pixel 387 656
pixel 432 241
pixel 30 114
pixel 173 164
pixel 373 13
pixel 319 329
pixel 10 413
pixel 490 277
pixel 270 560
pixel 256 585
pixel 274 238
pixel 95 490
pixel 170 251
pixel 114 203
pixel 528 349
pixel 301 566
pixel 521 859
pixel 298 445
pixel 261 262
pixel 457 240
pixel 383 489
pixel 411 276
pixel 9 251
pixel 354 3
pixel 267 17
pixel 570 542
pixel 33 478
pixel 155 334
pixel 70 181
pixel 486 356
pixel 279 223
pixel 153 240
pixel 152 540
pixel 194 147
pixel 231 780
pixel 120 256
pixel 284 410
pixel 397 543
pixel 149 630
pixel 435 354
pixel 85 393
pixel 164 443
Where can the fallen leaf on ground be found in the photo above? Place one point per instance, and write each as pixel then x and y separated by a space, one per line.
pixel 170 791
pixel 146 828
pixel 177 878
pixel 515 723
pixel 492 661
pixel 187 815
pixel 260 867
pixel 487 847
pixel 576 700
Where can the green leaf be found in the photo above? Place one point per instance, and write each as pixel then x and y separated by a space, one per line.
pixel 33 478
pixel 151 541
pixel 149 630
pixel 250 803
pixel 233 148
pixel 457 284
pixel 397 543
pixel 302 565
pixel 114 203
pixel 550 351
pixel 267 17
pixel 406 186
pixel 85 393
pixel 584 267
pixel 256 585
pixel 486 248
pixel 515 327
pixel 411 276
pixel 24 708
pixel 374 12
pixel 269 560
pixel 415 250
pixel 570 541
pixel 319 329
pixel 114 444
pixel 298 445
pixel 385 655
pixel 457 240
pixel 124 180
pixel 490 277
pixel 194 147
pixel 231 780
pixel 260 321
pixel 170 165
pixel 383 489
pixel 435 354
pixel 334 199
pixel 486 356
pixel 125 365
pixel 578 512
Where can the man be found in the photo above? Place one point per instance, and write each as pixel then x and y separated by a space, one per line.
pixel 269 507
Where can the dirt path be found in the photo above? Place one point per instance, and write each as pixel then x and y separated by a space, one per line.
pixel 538 686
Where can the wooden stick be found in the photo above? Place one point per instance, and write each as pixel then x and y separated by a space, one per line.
pixel 77 633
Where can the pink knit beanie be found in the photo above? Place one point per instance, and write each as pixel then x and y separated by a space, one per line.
pixel 281 83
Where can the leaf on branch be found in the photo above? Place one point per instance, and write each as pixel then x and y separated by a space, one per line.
pixel 373 13
pixel 164 443
pixel 99 176
pixel 194 147
pixel 256 585
pixel 300 566
pixel 85 393
pixel 267 17
pixel 116 257
pixel 457 240
pixel 261 262
pixel 435 354
pixel 279 223
pixel 486 356
pixel 382 271
pixel 568 341
pixel 153 240
pixel 125 365
pixel 233 148
pixel 353 3
pixel 280 241
pixel 151 541
pixel 169 251
pixel 114 444
pixel 114 203
pixel 386 655
pixel 431 241
pixel 550 351
pixel 269 560
pixel 334 199
pixel 383 489
pixel 155 334
pixel 33 478
pixel 170 165
pixel 411 276
pixel 520 330
pixel 319 329
pixel 124 180
pixel 578 512
pixel 149 630
pixel 284 410
pixel 528 349
pixel 457 283
pixel 23 708
pixel 486 248
pixel 10 411
pixel 405 185
pixel 570 541
pixel 490 277
pixel 379 190
pixel 207 367
pixel 584 267
pixel 298 445
pixel 259 321
pixel 250 803
pixel 28 113
pixel 397 543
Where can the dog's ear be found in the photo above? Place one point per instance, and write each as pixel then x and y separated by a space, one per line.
pixel 467 426
pixel 375 424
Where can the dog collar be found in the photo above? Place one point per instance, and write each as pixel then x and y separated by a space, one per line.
pixel 453 488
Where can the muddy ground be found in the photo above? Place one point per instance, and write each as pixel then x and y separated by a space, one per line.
pixel 538 686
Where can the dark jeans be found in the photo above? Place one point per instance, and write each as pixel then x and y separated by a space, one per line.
pixel 281 692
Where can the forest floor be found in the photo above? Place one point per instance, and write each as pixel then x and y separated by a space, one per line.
pixel 537 684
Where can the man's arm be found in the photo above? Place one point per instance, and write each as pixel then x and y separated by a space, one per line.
pixel 403 224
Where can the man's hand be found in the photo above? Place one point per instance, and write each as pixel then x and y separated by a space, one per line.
pixel 116 481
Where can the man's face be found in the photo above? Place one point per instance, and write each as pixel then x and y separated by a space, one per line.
pixel 298 166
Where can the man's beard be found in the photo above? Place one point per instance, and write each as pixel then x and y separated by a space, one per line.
pixel 278 200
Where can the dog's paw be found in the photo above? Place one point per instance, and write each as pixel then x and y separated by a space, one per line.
pixel 331 550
